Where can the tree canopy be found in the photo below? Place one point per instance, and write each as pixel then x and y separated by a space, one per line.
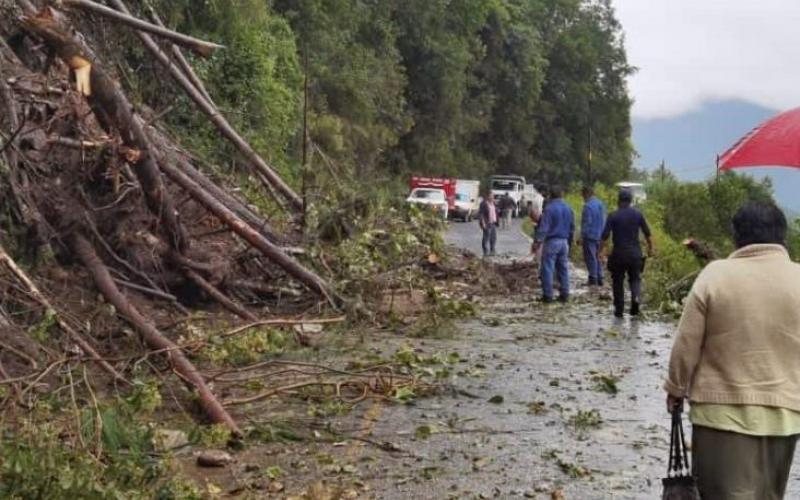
pixel 464 88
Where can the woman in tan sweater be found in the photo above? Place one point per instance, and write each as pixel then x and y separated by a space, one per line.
pixel 737 359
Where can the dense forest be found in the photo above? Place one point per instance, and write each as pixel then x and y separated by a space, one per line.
pixel 459 88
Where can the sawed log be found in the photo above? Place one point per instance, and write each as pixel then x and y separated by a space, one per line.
pixel 155 339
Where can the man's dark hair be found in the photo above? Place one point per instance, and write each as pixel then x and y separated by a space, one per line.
pixel 625 197
pixel 759 222
pixel 556 192
pixel 587 190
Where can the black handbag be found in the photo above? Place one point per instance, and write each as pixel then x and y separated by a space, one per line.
pixel 679 483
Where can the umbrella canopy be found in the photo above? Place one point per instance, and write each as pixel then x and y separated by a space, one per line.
pixel 774 143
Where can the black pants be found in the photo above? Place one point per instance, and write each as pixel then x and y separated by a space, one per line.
pixel 632 266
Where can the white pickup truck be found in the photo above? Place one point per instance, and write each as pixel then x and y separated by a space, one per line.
pixel 526 198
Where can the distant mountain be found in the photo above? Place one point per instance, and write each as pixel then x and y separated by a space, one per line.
pixel 689 144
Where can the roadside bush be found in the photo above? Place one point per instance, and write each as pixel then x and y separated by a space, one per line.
pixel 365 234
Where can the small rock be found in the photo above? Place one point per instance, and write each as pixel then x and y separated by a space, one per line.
pixel 530 494
pixel 214 458
pixel 168 439
pixel 275 487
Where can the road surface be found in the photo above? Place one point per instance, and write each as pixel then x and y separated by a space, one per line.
pixel 544 401
pixel 511 243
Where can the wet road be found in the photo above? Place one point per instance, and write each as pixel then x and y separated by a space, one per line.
pixel 552 400
pixel 511 242
pixel 548 402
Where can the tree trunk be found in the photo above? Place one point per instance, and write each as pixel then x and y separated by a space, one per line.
pixel 155 339
pixel 230 201
pixel 273 252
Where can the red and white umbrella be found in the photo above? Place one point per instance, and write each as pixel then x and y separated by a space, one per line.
pixel 774 143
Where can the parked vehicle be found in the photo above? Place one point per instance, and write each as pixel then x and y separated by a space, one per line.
pixel 446 184
pixel 436 199
pixel 465 206
pixel 525 196
pixel 636 189
pixel 532 200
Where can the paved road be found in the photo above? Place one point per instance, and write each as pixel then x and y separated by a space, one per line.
pixel 511 243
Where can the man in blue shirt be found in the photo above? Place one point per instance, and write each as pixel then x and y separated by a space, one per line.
pixel 626 256
pixel 554 234
pixel 593 220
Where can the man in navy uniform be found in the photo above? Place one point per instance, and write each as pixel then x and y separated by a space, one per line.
pixel 554 236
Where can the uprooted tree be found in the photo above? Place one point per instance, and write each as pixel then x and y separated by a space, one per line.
pixel 89 177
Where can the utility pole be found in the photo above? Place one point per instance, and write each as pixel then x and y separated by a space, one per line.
pixel 589 155
pixel 305 168
pixel 663 171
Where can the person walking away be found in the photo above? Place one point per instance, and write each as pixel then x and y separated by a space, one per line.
pixel 506 209
pixel 735 360
pixel 593 220
pixel 626 257
pixel 487 220
pixel 554 236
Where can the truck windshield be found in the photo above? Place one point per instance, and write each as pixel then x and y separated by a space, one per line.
pixel 428 194
pixel 504 185
pixel 462 197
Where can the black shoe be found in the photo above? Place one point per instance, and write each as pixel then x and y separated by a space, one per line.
pixel 634 308
pixel 545 300
pixel 563 299
pixel 591 282
pixel 599 282
pixel 619 314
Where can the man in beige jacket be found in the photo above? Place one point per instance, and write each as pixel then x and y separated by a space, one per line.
pixel 737 359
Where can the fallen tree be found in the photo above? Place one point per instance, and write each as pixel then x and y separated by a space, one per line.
pixel 119 196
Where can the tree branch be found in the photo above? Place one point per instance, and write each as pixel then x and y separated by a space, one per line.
pixel 200 47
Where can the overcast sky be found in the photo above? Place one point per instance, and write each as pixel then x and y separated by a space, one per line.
pixel 690 51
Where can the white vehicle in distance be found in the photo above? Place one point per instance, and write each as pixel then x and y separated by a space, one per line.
pixel 532 200
pixel 434 198
pixel 525 196
pixel 465 206
pixel 511 185
pixel 636 189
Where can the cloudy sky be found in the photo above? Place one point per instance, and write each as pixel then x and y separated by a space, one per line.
pixel 690 51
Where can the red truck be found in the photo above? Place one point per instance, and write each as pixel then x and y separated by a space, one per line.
pixel 438 192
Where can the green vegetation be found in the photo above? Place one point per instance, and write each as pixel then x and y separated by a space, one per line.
pixel 101 452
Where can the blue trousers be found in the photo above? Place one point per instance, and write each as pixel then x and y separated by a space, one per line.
pixel 555 259
pixel 489 239
pixel 591 249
